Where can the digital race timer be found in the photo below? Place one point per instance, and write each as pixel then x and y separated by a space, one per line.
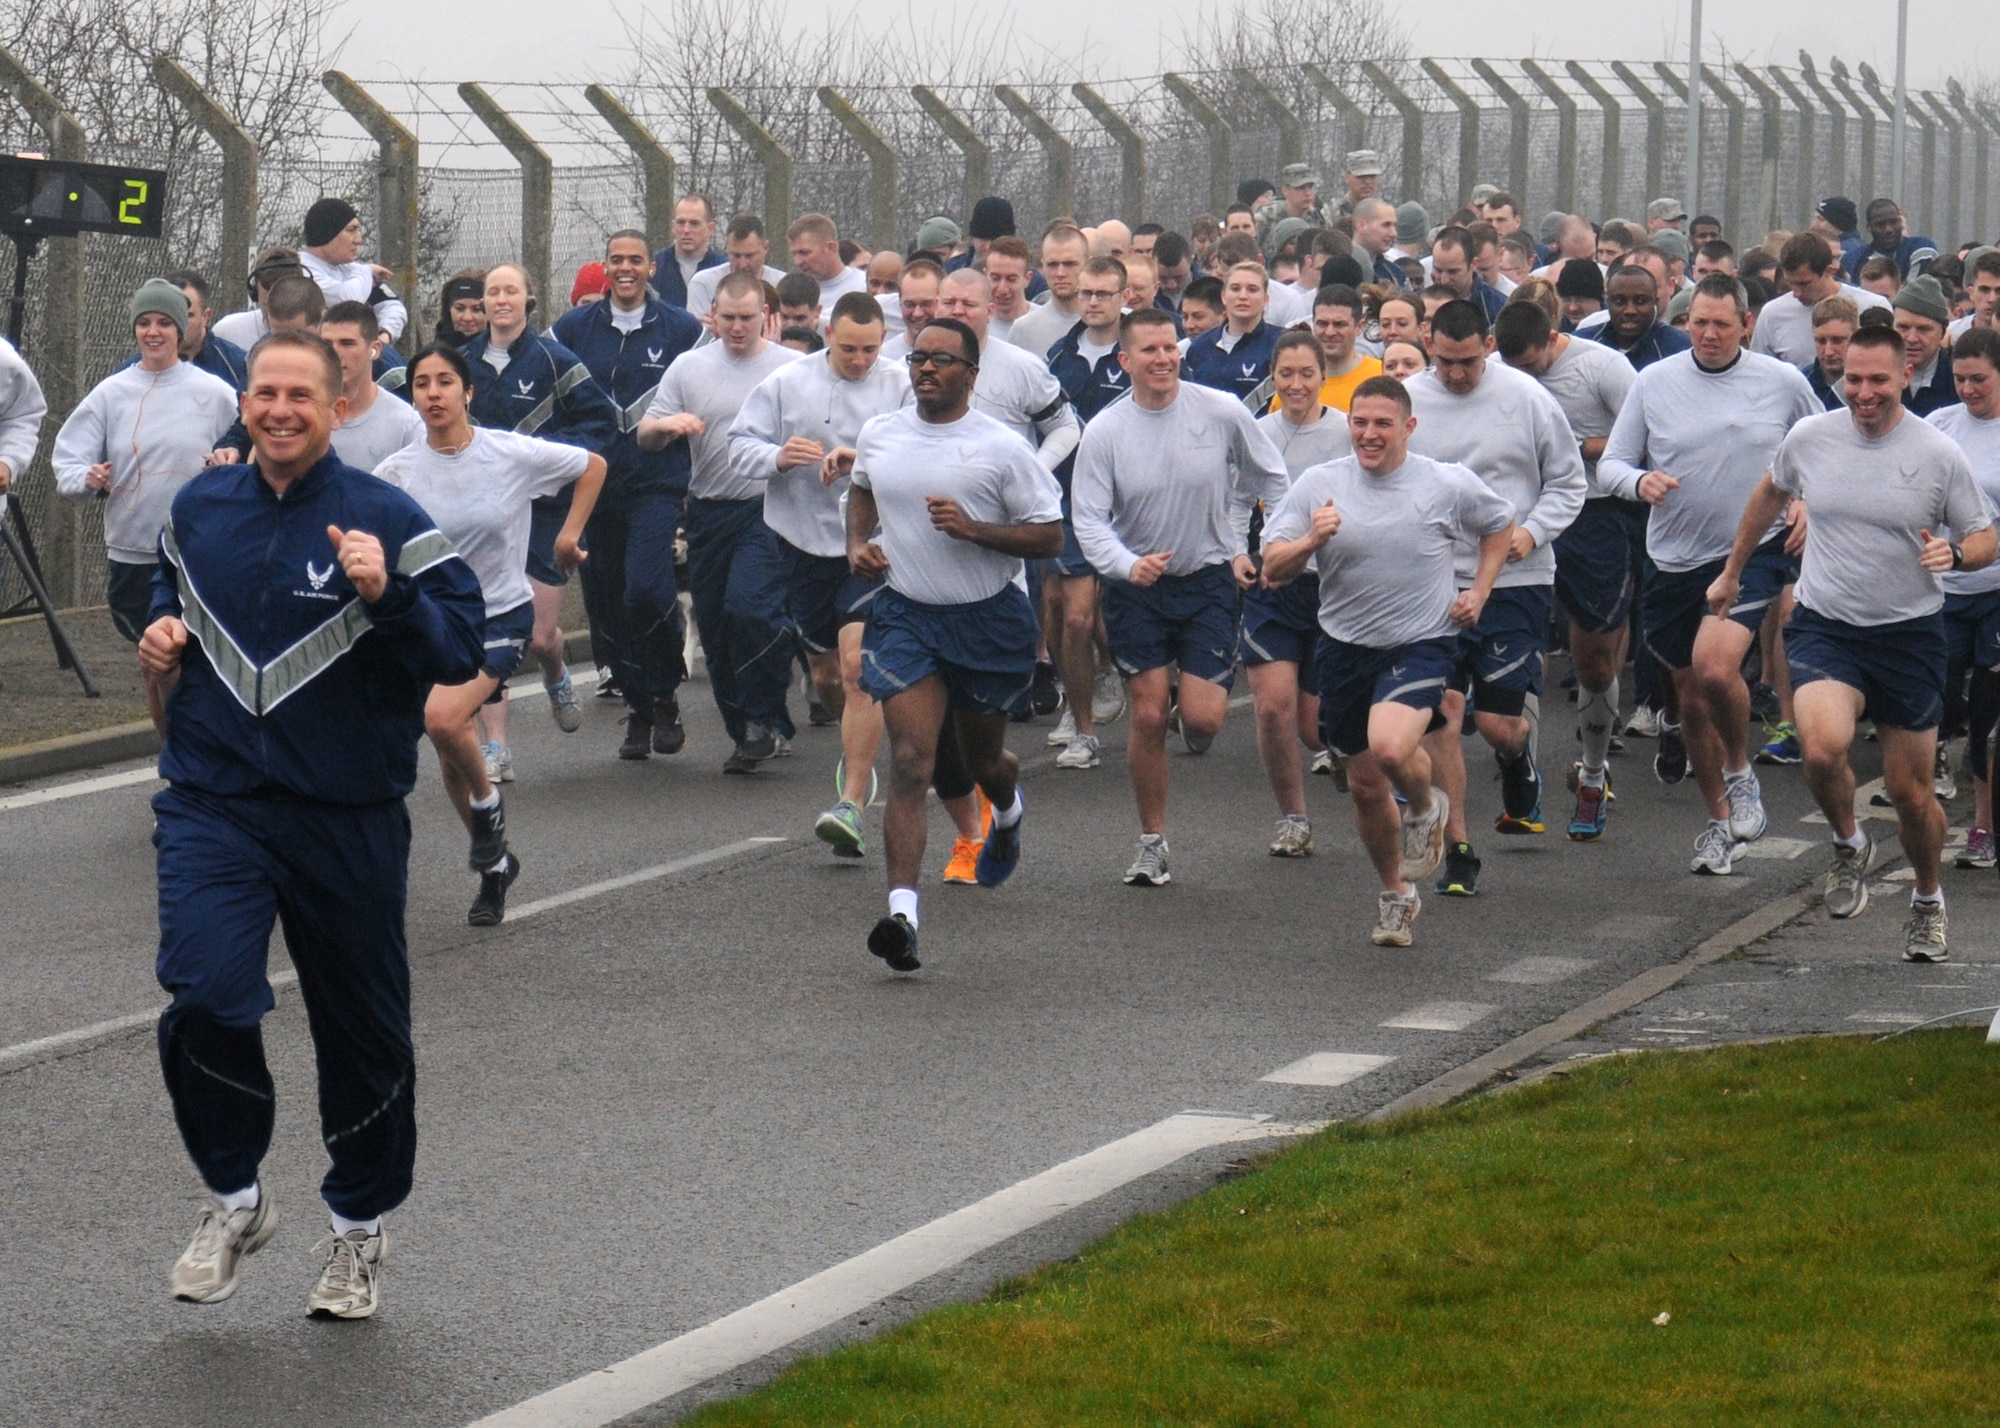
pixel 48 197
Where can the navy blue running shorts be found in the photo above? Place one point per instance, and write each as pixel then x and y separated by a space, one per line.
pixel 1353 679
pixel 1899 668
pixel 1676 601
pixel 983 651
pixel 1188 620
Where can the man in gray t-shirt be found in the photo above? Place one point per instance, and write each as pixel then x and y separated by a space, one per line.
pixel 1867 639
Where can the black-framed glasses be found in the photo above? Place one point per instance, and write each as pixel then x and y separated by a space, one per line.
pixel 943 361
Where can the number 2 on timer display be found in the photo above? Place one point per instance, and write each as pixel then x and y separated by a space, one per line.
pixel 127 206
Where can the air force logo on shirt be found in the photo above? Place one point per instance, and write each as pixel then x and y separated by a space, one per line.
pixel 653 356
pixel 317 579
pixel 525 387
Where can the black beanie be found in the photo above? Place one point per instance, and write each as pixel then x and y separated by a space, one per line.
pixel 326 219
pixel 1580 278
pixel 991 218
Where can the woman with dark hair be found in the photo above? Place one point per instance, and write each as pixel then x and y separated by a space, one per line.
pixel 462 307
pixel 477 483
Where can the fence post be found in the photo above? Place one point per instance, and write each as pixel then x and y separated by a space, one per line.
pixel 1732 177
pixel 776 161
pixel 1836 113
pixel 1809 190
pixel 884 231
pixel 59 368
pixel 1413 128
pixel 1517 130
pixel 1677 86
pixel 1468 124
pixel 239 164
pixel 977 152
pixel 1055 149
pixel 1771 146
pixel 1291 132
pixel 1607 107
pixel 1565 103
pixel 1335 93
pixel 1221 140
pixel 655 163
pixel 1897 165
pixel 1864 112
pixel 538 189
pixel 395 179
pixel 1954 129
pixel 1131 153
pixel 1982 129
pixel 1656 127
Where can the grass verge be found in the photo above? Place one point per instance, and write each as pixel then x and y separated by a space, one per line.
pixel 1817 1219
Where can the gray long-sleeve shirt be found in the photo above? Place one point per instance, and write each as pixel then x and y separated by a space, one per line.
pixel 1715 433
pixel 1182 480
pixel 156 429
pixel 808 399
pixel 22 407
pixel 1513 436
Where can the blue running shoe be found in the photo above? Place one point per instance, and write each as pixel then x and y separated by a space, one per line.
pixel 1001 851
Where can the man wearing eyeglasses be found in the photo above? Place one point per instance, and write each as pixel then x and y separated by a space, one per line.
pixel 960 502
pixel 788 425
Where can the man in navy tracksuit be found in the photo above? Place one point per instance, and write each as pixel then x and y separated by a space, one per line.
pixel 691 252
pixel 628 341
pixel 301 613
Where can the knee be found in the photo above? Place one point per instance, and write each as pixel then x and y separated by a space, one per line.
pixel 441 726
pixel 1823 760
pixel 1204 722
pixel 910 772
pixel 1149 719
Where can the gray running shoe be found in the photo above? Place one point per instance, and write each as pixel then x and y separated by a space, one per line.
pixel 1295 837
pixel 1423 838
pixel 1081 753
pixel 1064 731
pixel 563 707
pixel 1149 868
pixel 1395 913
pixel 1715 850
pixel 1107 697
pixel 1944 782
pixel 347 1287
pixel 499 763
pixel 206 1271
pixel 1747 819
pixel 1847 879
pixel 1924 934
pixel 840 827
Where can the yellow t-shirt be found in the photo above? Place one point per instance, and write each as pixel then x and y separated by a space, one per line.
pixel 1338 392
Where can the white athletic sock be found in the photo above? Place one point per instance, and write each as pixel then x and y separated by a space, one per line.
pixel 244 1199
pixel 1596 719
pixel 344 1226
pixel 903 904
pixel 1935 899
pixel 1854 844
pixel 1738 775
pixel 1008 817
pixel 491 801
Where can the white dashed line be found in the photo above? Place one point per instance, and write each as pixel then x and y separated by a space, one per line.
pixel 1328 1068
pixel 1441 1016
pixel 1776 848
pixel 1541 971
pixel 101 784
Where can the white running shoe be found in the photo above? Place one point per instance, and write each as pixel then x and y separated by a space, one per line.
pixel 1423 839
pixel 1747 819
pixel 563 707
pixel 1644 723
pixel 1149 867
pixel 1080 754
pixel 1846 886
pixel 1107 697
pixel 1944 782
pixel 1065 729
pixel 1295 837
pixel 206 1271
pixel 1715 850
pixel 499 763
pixel 347 1287
pixel 1395 913
pixel 1924 934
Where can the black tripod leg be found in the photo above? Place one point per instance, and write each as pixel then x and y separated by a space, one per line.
pixel 65 651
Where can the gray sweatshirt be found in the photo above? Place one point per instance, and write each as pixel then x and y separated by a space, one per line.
pixel 156 429
pixel 1181 480
pixel 22 407
pixel 1715 433
pixel 1515 438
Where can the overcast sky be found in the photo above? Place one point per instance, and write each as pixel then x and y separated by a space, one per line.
pixel 527 40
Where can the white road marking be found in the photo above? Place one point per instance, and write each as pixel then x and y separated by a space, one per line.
pixel 42 1048
pixel 851 1286
pixel 1888 1018
pixel 100 784
pixel 1541 971
pixel 1327 1068
pixel 1442 1016
pixel 1862 807
pixel 1774 847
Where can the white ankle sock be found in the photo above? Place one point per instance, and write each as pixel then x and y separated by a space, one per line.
pixel 903 903
pixel 1854 844
pixel 344 1226
pixel 1742 775
pixel 244 1199
pixel 1008 817
pixel 492 800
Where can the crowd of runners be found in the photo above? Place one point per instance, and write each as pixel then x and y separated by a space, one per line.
pixel 1381 466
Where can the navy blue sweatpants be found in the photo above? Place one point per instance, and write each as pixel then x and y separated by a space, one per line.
pixel 631 545
pixel 737 583
pixel 335 877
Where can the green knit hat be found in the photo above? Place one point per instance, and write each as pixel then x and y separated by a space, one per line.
pixel 1924 296
pixel 159 295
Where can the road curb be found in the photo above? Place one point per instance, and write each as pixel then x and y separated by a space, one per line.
pixel 1464 1080
pixel 74 753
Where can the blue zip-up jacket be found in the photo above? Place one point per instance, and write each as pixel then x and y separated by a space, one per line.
pixel 628 366
pixel 290 684
pixel 1244 369
pixel 546 391
pixel 217 358
pixel 1660 340
pixel 1090 387
pixel 667 279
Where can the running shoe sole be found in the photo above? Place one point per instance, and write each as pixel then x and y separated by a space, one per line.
pixel 830 829
pixel 895 942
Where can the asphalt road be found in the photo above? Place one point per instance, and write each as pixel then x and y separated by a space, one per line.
pixel 648 1107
